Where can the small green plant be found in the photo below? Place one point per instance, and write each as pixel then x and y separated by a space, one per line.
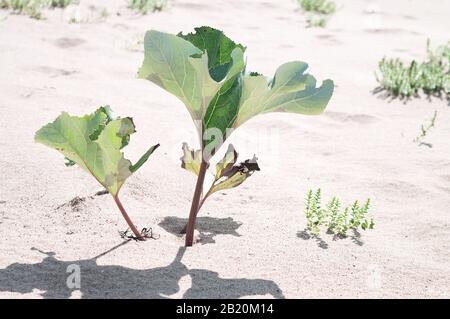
pixel 325 7
pixel 424 130
pixel 406 80
pixel 319 11
pixel 334 219
pixel 312 21
pixel 95 142
pixel 33 8
pixel 207 71
pixel 146 6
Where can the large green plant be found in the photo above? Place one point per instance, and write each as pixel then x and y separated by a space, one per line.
pixel 207 72
pixel 94 142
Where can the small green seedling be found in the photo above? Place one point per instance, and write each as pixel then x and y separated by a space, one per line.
pixel 407 80
pixel 207 71
pixel 94 142
pixel 33 8
pixel 424 130
pixel 334 219
pixel 146 6
pixel 319 11
pixel 312 21
pixel 325 7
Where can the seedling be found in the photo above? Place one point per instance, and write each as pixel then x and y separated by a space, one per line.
pixel 94 142
pixel 334 219
pixel 407 80
pixel 146 6
pixel 318 6
pixel 207 72
pixel 312 21
pixel 319 11
pixel 33 8
pixel 424 130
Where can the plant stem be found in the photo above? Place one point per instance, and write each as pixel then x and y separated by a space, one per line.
pixel 195 204
pixel 127 218
pixel 202 201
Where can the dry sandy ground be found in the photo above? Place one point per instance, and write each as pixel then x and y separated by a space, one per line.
pixel 251 236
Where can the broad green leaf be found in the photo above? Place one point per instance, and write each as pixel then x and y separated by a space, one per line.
pixel 235 175
pixel 206 70
pixel 102 157
pixel 191 160
pixel 97 127
pixel 227 162
pixel 291 90
pixel 217 46
pixel 182 69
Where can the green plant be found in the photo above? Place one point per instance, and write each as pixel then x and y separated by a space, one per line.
pixel 431 76
pixel 61 3
pixel 333 218
pixel 312 21
pixel 207 72
pixel 146 6
pixel 319 11
pixel 94 142
pixel 318 6
pixel 425 129
pixel 33 8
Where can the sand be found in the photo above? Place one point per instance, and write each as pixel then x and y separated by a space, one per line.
pixel 252 242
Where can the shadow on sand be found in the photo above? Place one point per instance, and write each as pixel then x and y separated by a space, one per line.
pixel 109 281
pixel 208 227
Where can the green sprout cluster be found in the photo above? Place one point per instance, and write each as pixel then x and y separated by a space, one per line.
pixel 146 6
pixel 405 80
pixel 319 11
pixel 33 8
pixel 333 218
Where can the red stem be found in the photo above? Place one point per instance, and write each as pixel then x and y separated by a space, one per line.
pixel 127 218
pixel 195 207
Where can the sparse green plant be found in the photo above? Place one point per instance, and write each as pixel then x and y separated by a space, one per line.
pixel 146 6
pixel 335 220
pixel 61 3
pixel 95 142
pixel 406 80
pixel 319 11
pixel 318 6
pixel 313 21
pixel 206 70
pixel 425 129
pixel 33 8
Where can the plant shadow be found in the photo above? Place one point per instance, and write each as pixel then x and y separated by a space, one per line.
pixel 208 227
pixel 384 94
pixel 305 235
pixel 321 243
pixel 49 277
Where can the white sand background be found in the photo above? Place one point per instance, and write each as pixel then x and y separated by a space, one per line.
pixel 251 241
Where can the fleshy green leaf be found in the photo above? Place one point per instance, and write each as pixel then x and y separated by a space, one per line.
pixel 206 70
pixel 217 46
pixel 102 158
pixel 182 69
pixel 191 160
pixel 291 90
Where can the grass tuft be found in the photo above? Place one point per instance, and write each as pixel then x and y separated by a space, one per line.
pixel 319 11
pixel 406 80
pixel 146 6
pixel 33 8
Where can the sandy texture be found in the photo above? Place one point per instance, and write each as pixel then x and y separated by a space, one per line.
pixel 252 241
